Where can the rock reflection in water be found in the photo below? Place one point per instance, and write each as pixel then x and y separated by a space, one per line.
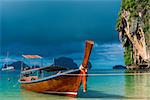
pixel 137 86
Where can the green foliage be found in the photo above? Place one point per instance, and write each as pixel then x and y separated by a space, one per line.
pixel 134 14
pixel 134 7
pixel 146 28
pixel 128 55
pixel 119 24
pixel 129 5
pixel 135 4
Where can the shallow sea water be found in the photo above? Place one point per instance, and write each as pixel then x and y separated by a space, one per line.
pixel 98 88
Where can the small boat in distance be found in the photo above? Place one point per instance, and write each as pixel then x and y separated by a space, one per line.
pixel 6 66
pixel 55 79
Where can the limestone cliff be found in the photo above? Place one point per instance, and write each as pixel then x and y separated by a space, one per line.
pixel 133 25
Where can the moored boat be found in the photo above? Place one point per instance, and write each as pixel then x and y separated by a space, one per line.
pixel 6 66
pixel 56 80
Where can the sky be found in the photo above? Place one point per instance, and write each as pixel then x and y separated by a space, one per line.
pixel 60 27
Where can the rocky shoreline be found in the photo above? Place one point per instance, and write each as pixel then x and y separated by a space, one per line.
pixel 131 67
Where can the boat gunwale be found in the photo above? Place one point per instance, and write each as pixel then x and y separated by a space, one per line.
pixel 49 77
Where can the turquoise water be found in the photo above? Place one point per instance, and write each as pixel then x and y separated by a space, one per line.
pixel 98 87
pixel 64 26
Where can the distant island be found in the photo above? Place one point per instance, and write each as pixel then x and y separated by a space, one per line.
pixel 133 25
pixel 61 62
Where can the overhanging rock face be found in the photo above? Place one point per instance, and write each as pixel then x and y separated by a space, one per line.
pixel 134 31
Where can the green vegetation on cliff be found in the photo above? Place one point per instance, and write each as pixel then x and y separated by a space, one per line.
pixel 134 10
pixel 128 55
pixel 135 7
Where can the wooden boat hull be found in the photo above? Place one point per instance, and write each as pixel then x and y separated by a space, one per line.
pixel 60 84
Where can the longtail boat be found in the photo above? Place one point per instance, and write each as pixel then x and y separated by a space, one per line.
pixel 62 82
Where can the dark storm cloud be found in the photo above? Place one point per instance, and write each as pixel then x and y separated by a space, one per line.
pixel 45 24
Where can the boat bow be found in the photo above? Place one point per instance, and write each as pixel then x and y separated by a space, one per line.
pixel 83 67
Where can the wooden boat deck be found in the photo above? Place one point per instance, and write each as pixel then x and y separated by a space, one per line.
pixel 28 80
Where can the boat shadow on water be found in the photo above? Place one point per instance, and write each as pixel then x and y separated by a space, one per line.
pixel 90 94
pixel 102 95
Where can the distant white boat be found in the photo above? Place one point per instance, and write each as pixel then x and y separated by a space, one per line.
pixel 7 67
